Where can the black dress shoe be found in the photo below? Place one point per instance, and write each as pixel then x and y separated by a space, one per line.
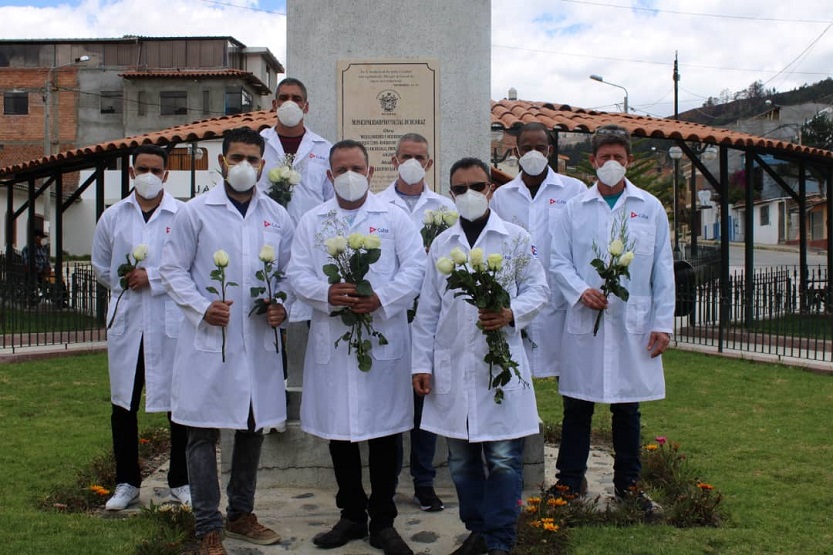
pixel 475 544
pixel 390 542
pixel 344 531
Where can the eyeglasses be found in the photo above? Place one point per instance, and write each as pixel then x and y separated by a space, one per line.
pixel 612 131
pixel 461 189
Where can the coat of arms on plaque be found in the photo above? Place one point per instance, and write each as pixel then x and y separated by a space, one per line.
pixel 388 100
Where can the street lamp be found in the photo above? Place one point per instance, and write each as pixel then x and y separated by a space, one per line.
pixel 497 139
pixel 707 153
pixel 676 153
pixel 600 79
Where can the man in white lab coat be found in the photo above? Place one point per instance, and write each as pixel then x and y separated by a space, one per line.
pixel 227 371
pixel 145 322
pixel 622 364
pixel 341 403
pixel 448 365
pixel 411 193
pixel 535 200
pixel 309 151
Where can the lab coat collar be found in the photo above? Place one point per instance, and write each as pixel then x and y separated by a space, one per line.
pixel 494 225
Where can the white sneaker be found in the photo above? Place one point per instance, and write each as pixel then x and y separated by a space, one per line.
pixel 124 496
pixel 182 494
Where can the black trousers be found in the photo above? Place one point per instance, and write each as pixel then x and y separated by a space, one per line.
pixel 125 429
pixel 351 497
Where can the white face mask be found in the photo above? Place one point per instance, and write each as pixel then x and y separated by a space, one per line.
pixel 411 171
pixel 241 177
pixel 472 205
pixel 611 173
pixel 350 186
pixel 533 163
pixel 147 185
pixel 290 114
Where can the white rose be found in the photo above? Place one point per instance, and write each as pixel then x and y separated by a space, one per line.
pixel 450 218
pixel 285 172
pixel 445 265
pixel 221 258
pixel 615 247
pixel 372 242
pixel 356 241
pixel 438 218
pixel 274 174
pixel 335 245
pixel 294 177
pixel 476 257
pixel 626 259
pixel 457 256
pixel 267 254
pixel 140 252
pixel 494 262
pixel 428 217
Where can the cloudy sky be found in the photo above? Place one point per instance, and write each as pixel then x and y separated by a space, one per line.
pixel 546 49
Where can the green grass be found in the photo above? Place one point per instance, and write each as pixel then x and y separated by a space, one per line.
pixel 761 434
pixel 55 418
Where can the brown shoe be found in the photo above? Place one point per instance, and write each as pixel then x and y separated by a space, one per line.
pixel 212 543
pixel 247 528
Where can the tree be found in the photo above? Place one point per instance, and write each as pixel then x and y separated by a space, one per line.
pixel 818 132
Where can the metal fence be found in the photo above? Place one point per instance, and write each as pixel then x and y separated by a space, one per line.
pixel 45 310
pixel 777 316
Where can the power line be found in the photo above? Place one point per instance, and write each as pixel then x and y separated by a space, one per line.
pixel 230 5
pixel 802 54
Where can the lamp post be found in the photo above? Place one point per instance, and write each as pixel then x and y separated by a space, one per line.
pixel 600 79
pixel 707 153
pixel 676 153
pixel 497 138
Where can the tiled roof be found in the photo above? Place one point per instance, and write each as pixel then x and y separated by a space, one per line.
pixel 199 74
pixel 514 113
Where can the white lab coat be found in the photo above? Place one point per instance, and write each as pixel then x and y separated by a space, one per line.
pixel 538 215
pixel 448 344
pixel 148 314
pixel 615 365
pixel 206 392
pixel 312 160
pixel 341 402
pixel 428 200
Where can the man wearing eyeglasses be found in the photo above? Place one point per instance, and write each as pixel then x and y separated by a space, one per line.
pixel 449 369
pixel 621 364
pixel 535 200
pixel 411 193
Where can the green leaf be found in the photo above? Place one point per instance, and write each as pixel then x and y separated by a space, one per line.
pixel 259 275
pixel 364 288
pixel 231 284
pixel 212 289
pixel 348 317
pixel 257 291
pixel 373 255
pixel 382 339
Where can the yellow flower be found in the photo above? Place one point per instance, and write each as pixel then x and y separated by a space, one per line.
pixel 651 447
pixel 556 502
pixel 476 257
pixel 445 265
pixel 616 247
pixel 274 174
pixel 534 500
pixel 550 527
pixel 494 262
pixel 458 256
pixel 267 254
pixel 372 242
pixel 450 218
pixel 335 245
pixel 221 258
pixel 355 240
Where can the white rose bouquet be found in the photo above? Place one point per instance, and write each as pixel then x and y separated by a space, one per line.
pixel 478 283
pixel 268 274
pixel 351 260
pixel 613 265
pixel 435 222
pixel 140 252
pixel 221 261
pixel 283 178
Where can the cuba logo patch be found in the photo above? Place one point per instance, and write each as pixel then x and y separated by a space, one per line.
pixel 379 230
pixel 639 216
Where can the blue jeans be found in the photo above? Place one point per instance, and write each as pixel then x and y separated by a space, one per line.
pixel 423 446
pixel 575 444
pixel 205 486
pixel 490 495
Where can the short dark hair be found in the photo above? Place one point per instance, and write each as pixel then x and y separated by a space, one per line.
pixel 348 144
pixel 411 138
pixel 245 135
pixel 466 163
pixel 534 126
pixel 291 81
pixel 610 135
pixel 153 150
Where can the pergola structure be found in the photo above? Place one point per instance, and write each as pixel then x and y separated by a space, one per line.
pixel 44 174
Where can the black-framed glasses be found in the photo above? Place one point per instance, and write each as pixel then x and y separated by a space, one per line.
pixel 461 189
pixel 612 131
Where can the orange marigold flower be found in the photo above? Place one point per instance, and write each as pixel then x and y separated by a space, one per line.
pixel 556 502
pixel 550 527
pixel 535 523
pixel 704 486
pixel 103 491
pixel 143 441
pixel 533 500
pixel 651 447
pixel 531 509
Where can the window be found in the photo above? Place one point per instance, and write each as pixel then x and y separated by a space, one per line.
pixel 764 215
pixel 180 159
pixel 15 103
pixel 142 103
pixel 111 102
pixel 206 102
pixel 238 101
pixel 173 103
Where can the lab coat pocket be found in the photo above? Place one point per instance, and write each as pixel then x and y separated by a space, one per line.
pixel 394 349
pixel 580 319
pixel 644 236
pixel 321 343
pixel 173 319
pixel 119 323
pixel 208 338
pixel 442 371
pixel 638 315
pixel 516 349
